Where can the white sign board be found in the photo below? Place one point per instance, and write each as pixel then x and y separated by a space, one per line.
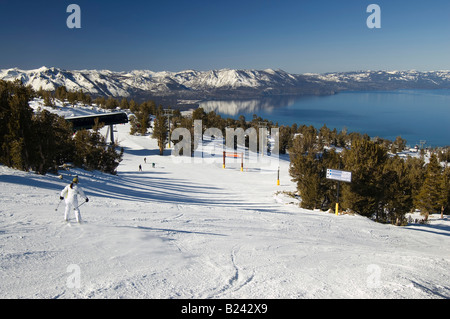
pixel 342 176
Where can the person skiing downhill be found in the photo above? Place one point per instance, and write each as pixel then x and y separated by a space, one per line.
pixel 70 194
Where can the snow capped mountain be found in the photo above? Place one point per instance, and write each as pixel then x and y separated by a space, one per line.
pixel 389 79
pixel 224 83
pixel 94 82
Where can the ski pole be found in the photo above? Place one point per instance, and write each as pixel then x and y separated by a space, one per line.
pixel 80 205
pixel 56 209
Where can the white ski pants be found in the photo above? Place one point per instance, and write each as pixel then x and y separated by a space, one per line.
pixel 69 207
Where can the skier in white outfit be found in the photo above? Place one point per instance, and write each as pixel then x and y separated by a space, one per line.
pixel 70 194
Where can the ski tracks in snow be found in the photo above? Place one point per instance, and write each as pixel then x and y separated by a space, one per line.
pixel 238 280
pixel 219 276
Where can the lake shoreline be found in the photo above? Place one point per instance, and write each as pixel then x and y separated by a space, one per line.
pixel 415 115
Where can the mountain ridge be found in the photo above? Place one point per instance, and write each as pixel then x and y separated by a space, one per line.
pixel 222 83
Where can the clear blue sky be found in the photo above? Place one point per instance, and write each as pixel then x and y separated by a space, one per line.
pixel 296 36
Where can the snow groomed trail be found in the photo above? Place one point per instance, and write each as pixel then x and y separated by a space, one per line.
pixel 195 230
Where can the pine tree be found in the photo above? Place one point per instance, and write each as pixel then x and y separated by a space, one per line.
pixel 87 99
pixel 309 172
pixel 16 127
pixel 92 153
pixel 305 172
pixel 134 107
pixel 141 121
pixel 398 190
pixel 325 136
pixel 444 155
pixel 365 194
pixel 160 132
pixel 416 173
pixel 52 142
pixel 100 101
pixel 43 141
pixel 428 200
pixel 82 149
pixel 145 110
pixel 48 99
pixel 110 159
pixel 199 114
pixel 285 139
pixel 398 145
pixel 124 104
pixel 111 103
pixel 5 114
pixel 242 122
pixel 72 97
pixel 215 120
pixel 61 93
pixel 445 191
pixel 309 163
pixel 342 138
pixel 331 160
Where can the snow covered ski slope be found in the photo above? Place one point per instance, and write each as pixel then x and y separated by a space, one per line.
pixel 196 230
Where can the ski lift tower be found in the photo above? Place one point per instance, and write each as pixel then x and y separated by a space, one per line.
pixel 168 113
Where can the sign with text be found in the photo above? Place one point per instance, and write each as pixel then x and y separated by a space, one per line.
pixel 337 175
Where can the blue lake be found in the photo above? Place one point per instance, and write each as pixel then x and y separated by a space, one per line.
pixel 414 115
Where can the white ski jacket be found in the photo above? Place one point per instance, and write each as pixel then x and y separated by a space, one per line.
pixel 70 194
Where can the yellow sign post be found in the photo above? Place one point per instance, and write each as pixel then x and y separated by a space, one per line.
pixel 278 176
pixel 339 176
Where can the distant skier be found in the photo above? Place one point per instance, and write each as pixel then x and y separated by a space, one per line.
pixel 140 168
pixel 70 194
